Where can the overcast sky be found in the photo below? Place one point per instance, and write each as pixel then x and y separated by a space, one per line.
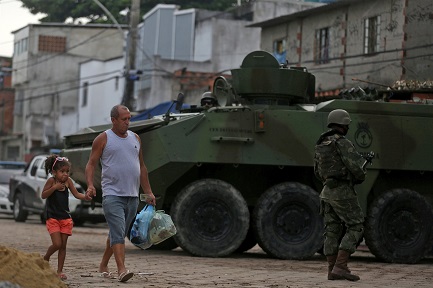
pixel 12 17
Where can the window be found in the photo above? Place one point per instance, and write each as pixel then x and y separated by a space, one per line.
pixel 371 35
pixel 19 102
pixel 13 152
pixel 35 167
pixel 52 44
pixel 16 45
pixel 321 47
pixel 24 44
pixel 280 52
pixel 85 92
pixel 20 46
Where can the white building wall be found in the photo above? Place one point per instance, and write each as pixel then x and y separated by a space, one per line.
pixel 46 83
pixel 231 42
pixel 203 41
pixel 104 90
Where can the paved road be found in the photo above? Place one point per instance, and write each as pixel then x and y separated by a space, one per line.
pixel 179 269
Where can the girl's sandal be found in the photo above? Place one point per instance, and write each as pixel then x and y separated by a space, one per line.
pixel 62 276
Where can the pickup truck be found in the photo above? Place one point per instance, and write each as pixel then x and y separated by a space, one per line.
pixel 25 193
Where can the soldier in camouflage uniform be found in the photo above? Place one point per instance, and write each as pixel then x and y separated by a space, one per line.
pixel 339 166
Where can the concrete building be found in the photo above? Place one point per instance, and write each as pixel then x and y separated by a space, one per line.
pixel 101 87
pixel 46 77
pixel 197 41
pixel 63 74
pixel 372 40
pixel 6 110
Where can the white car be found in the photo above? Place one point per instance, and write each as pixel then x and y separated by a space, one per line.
pixel 5 204
pixel 7 169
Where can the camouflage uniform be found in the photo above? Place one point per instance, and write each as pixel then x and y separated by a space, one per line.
pixel 339 166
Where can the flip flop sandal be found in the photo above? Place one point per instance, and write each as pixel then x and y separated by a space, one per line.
pixel 107 275
pixel 125 276
pixel 62 276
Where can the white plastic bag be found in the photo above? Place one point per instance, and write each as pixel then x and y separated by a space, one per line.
pixel 139 235
pixel 161 227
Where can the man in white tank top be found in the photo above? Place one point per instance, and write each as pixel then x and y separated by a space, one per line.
pixel 123 171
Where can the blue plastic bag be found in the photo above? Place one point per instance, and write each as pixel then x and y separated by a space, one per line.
pixel 139 232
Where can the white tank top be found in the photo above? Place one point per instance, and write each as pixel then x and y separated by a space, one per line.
pixel 120 165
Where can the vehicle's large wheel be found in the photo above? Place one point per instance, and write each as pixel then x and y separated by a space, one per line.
pixel 20 215
pixel 399 227
pixel 287 222
pixel 249 241
pixel 211 218
pixel 43 219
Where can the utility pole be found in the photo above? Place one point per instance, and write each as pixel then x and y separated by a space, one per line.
pixel 128 93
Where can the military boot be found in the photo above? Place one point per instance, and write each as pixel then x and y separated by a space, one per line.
pixel 340 270
pixel 331 262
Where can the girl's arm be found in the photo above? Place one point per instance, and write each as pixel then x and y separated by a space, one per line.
pixel 49 187
pixel 75 192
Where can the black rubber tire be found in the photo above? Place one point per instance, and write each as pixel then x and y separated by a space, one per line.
pixel 249 242
pixel 20 215
pixel 399 227
pixel 79 223
pixel 287 222
pixel 43 220
pixel 211 218
pixel 168 244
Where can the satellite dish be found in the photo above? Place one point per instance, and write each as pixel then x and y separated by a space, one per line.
pixel 223 91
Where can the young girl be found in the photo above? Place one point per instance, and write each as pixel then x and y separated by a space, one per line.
pixel 59 222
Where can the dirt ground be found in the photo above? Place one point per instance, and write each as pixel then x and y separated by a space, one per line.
pixel 179 269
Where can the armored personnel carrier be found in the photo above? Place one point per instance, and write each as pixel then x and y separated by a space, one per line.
pixel 242 173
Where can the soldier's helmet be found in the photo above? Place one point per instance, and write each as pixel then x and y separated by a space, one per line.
pixel 208 99
pixel 339 116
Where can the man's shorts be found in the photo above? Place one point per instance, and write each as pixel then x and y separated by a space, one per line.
pixel 63 226
pixel 120 213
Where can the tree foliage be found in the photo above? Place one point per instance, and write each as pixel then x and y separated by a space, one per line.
pixel 61 11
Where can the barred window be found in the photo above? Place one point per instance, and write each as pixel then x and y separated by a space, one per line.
pixel 371 35
pixel 321 47
pixel 52 44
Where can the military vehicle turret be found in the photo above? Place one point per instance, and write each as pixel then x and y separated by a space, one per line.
pixel 242 173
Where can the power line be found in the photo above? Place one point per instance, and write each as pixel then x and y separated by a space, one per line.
pixel 60 91
pixel 69 81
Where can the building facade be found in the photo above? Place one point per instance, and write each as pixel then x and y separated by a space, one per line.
pixel 197 41
pixel 67 77
pixel 46 77
pixel 101 87
pixel 6 111
pixel 356 42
